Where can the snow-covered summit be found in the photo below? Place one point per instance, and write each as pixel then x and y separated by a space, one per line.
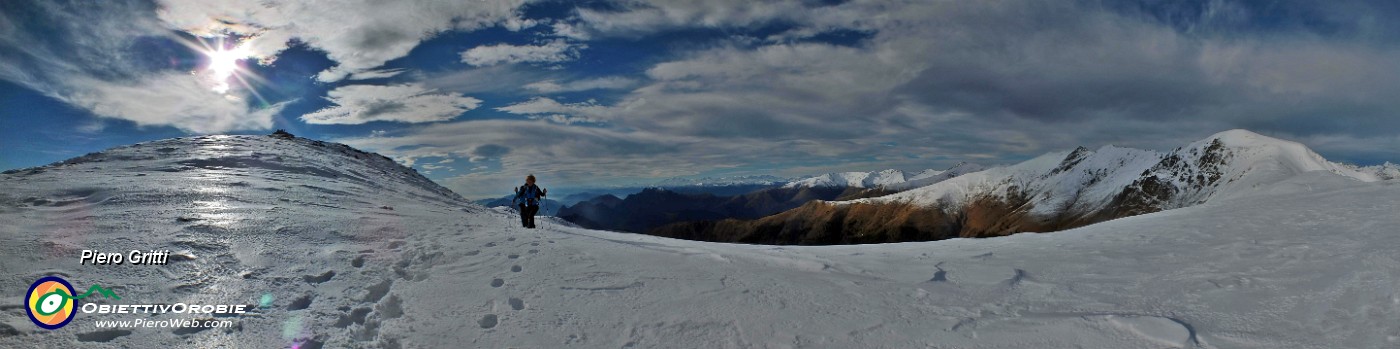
pixel 851 179
pixel 891 179
pixel 931 176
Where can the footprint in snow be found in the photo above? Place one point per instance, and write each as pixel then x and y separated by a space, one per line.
pixel 487 321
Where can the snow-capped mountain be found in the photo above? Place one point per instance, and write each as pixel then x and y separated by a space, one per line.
pixel 336 248
pixel 928 177
pixel 851 179
pixel 890 179
pixel 1055 191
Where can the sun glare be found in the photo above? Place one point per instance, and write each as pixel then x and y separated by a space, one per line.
pixel 223 64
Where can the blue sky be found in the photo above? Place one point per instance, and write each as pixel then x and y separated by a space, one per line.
pixel 475 94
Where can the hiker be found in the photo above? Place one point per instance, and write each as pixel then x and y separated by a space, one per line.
pixel 529 197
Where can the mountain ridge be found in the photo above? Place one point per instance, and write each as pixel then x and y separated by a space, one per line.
pixel 1055 191
pixel 888 179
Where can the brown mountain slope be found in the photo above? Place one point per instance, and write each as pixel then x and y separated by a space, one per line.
pixel 824 223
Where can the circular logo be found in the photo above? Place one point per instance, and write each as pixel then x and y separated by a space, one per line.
pixel 50 302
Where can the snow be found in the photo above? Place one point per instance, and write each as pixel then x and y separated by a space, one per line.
pixel 1386 171
pixel 888 179
pixel 929 177
pixel 1260 160
pixel 1306 262
pixel 851 179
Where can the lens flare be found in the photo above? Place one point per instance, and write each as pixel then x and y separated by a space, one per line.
pixel 223 65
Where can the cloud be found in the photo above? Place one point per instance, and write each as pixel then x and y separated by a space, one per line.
pixel 638 18
pixel 566 119
pixel 376 74
pixel 567 30
pixel 360 35
pixel 173 99
pixel 577 112
pixel 551 52
pixel 410 103
pixel 603 83
pixel 492 79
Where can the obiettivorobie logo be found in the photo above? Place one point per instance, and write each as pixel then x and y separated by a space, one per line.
pixel 51 302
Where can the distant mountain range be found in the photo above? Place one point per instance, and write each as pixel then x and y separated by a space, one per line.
pixel 887 179
pixel 745 197
pixel 654 207
pixel 1055 191
pixel 548 207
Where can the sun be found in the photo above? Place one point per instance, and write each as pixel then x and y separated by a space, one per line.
pixel 223 65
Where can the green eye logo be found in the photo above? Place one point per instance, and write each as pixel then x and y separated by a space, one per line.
pixel 51 303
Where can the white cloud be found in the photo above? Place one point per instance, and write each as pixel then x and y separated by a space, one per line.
pixel 411 103
pixel 496 79
pixel 358 34
pixel 565 119
pixel 551 52
pixel 567 30
pixel 543 107
pixel 642 17
pixel 603 83
pixel 178 100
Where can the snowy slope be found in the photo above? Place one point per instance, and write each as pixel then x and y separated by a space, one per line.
pixel 929 177
pixel 888 179
pixel 850 179
pixel 335 269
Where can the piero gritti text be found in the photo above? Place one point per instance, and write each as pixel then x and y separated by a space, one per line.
pixel 135 257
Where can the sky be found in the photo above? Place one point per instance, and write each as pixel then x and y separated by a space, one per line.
pixel 476 94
